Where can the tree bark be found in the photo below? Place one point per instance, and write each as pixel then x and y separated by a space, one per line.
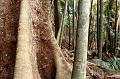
pixel 90 24
pixel 115 40
pixel 9 17
pixel 98 19
pixel 25 57
pixel 57 16
pixel 100 40
pixel 80 61
pixel 38 53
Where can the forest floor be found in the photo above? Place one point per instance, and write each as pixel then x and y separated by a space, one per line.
pixel 93 71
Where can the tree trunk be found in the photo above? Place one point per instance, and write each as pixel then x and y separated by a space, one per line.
pixel 115 40
pixel 38 53
pixel 73 25
pixel 69 24
pixel 9 16
pixel 57 16
pixel 61 29
pixel 25 57
pixel 98 18
pixel 79 67
pixel 90 24
pixel 100 40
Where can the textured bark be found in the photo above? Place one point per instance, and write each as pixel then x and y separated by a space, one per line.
pixel 9 16
pixel 80 61
pixel 100 38
pixel 38 55
pixel 51 62
pixel 26 57
pixel 36 38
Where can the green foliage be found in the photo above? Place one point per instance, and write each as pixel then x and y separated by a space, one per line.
pixel 62 7
pixel 66 21
pixel 111 64
pixel 101 63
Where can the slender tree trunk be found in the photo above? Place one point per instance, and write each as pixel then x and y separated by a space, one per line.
pixel 100 30
pixel 115 40
pixel 61 29
pixel 111 7
pixel 98 10
pixel 111 4
pixel 69 24
pixel 107 40
pixel 79 67
pixel 73 24
pixel 89 40
pixel 56 16
pixel 75 21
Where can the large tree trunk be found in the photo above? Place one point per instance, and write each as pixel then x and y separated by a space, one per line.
pixel 38 51
pixel 9 16
pixel 38 54
pixel 26 64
